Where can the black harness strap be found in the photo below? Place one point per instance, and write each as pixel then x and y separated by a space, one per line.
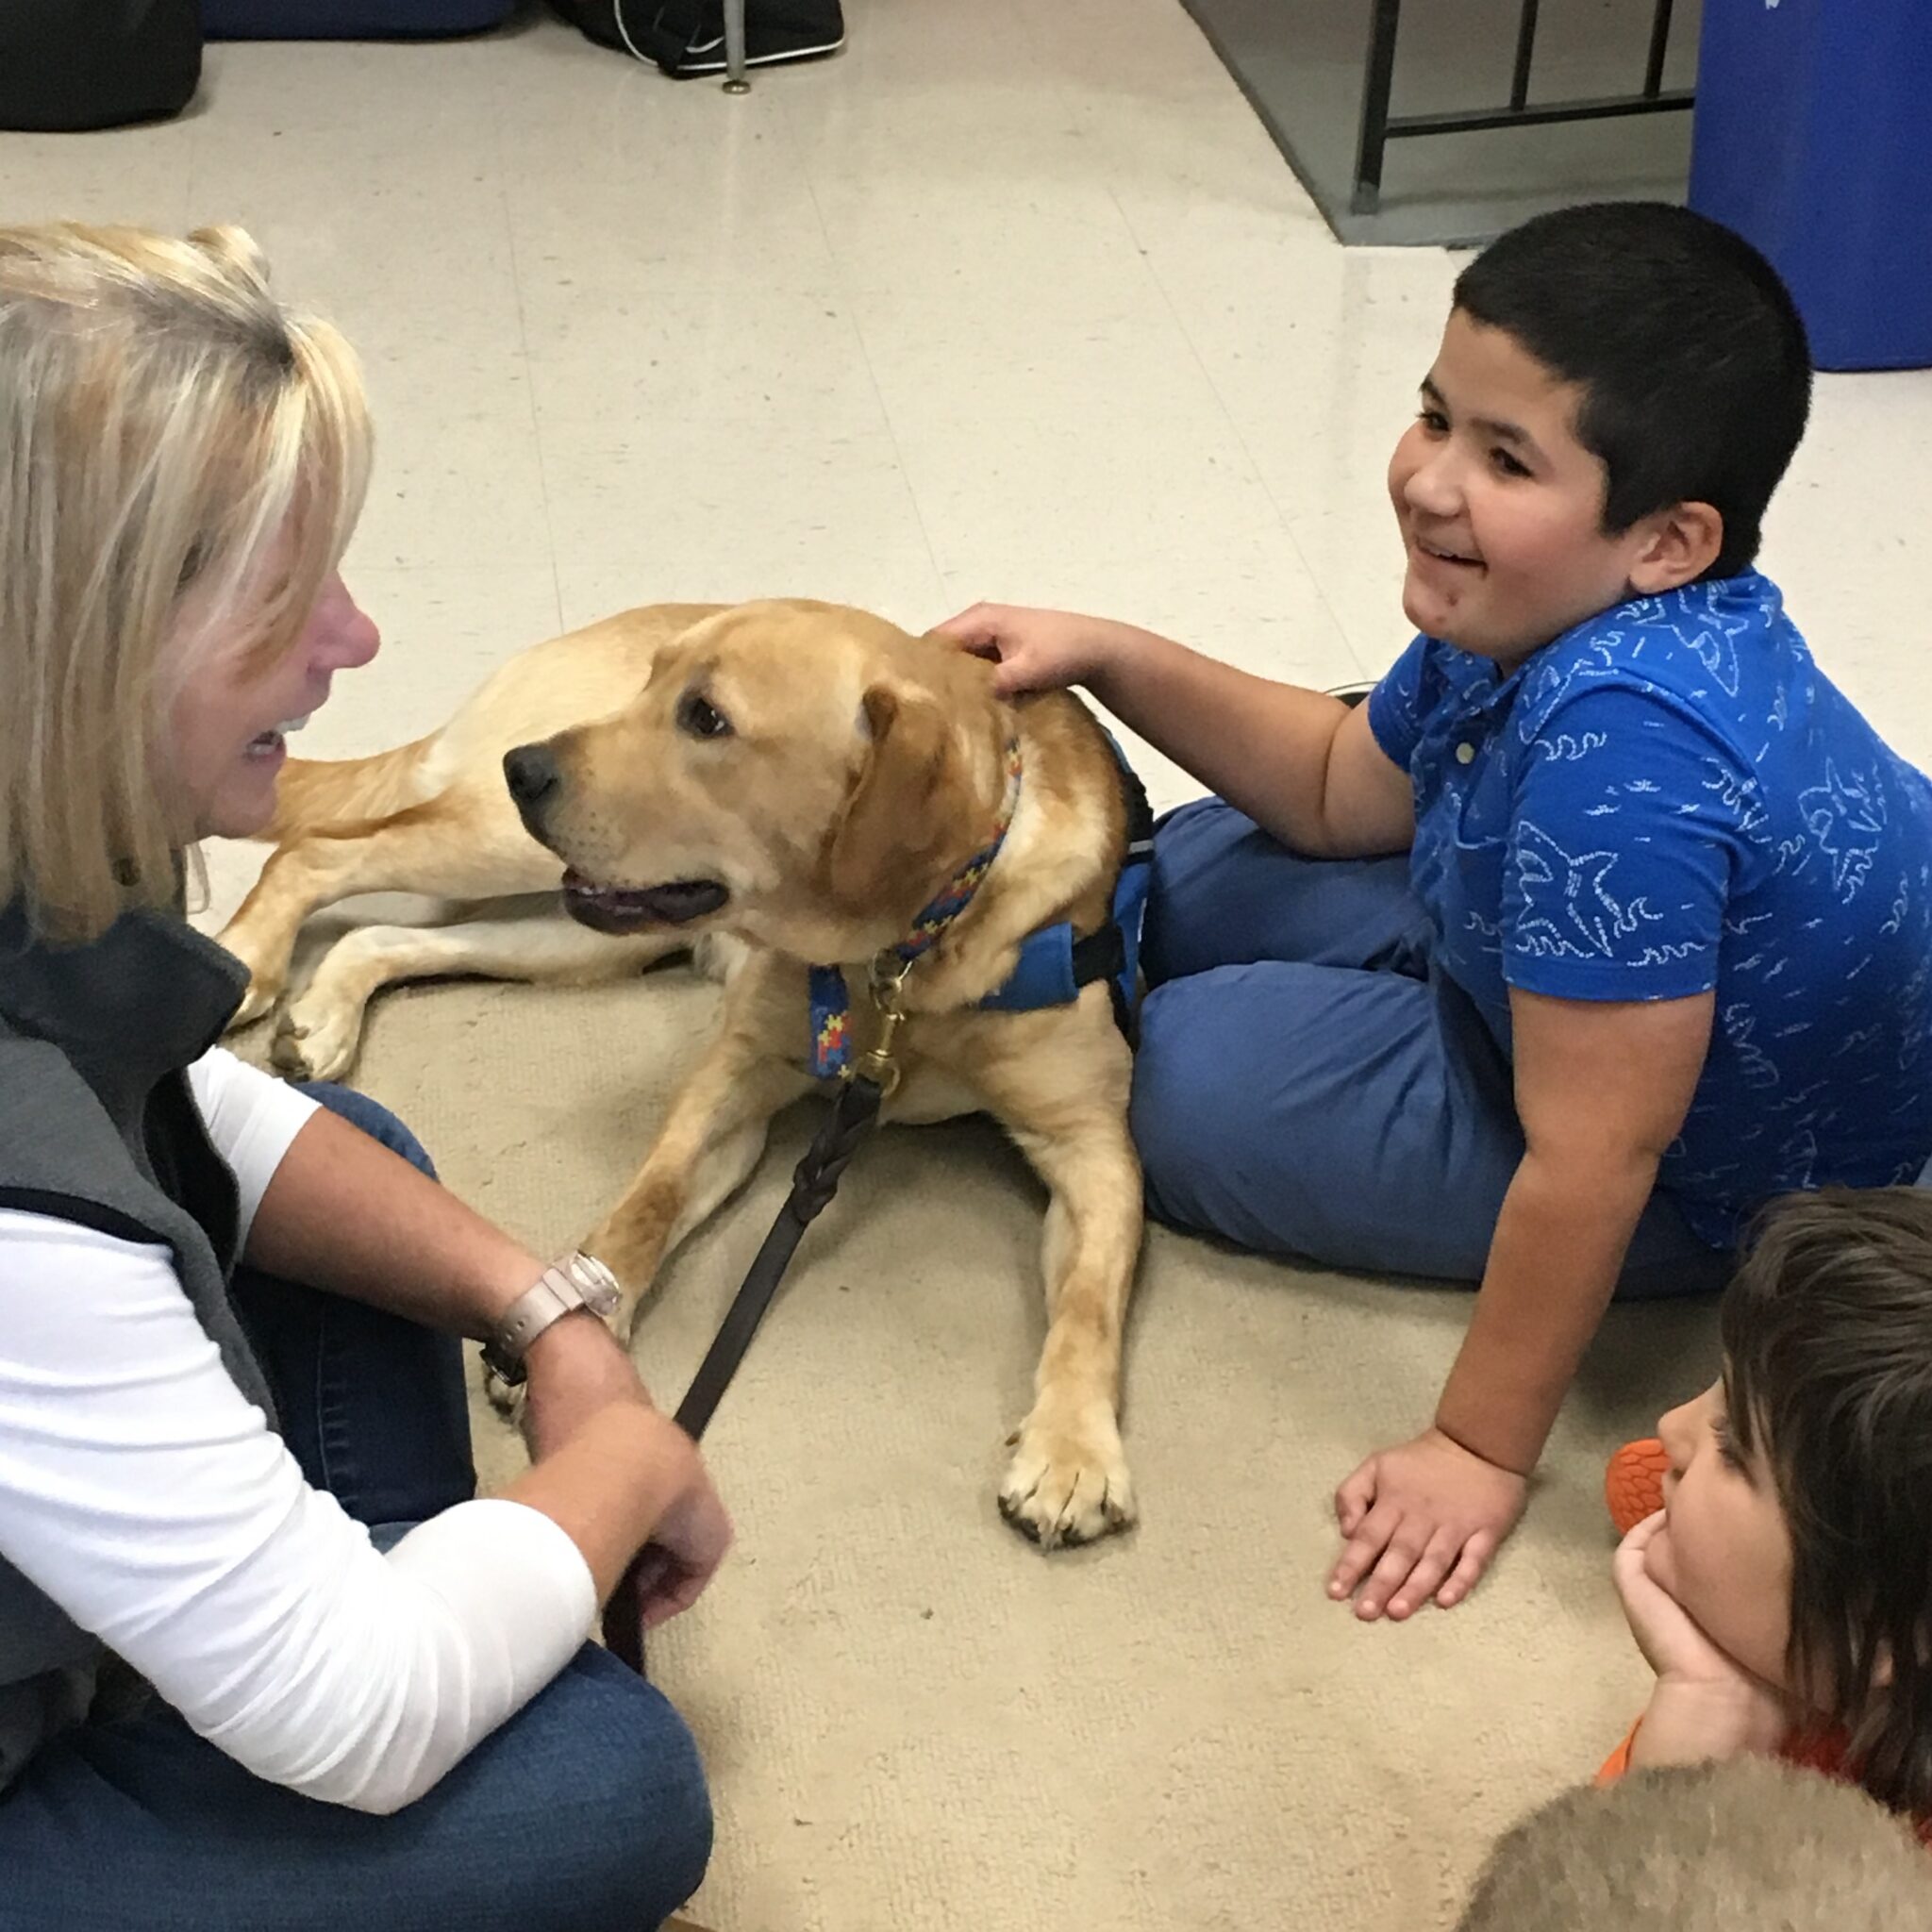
pixel 1103 954
pixel 814 1183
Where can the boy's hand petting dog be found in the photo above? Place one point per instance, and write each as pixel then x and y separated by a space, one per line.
pixel 1705 1704
pixel 1034 650
pixel 1422 1522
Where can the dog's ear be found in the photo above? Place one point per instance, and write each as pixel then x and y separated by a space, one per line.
pixel 905 807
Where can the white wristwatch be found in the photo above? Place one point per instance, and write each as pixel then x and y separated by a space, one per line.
pixel 574 1281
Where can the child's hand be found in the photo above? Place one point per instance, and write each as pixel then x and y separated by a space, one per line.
pixel 1427 1516
pixel 1705 1704
pixel 1035 650
pixel 1671 1644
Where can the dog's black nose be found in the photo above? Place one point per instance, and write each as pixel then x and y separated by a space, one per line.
pixel 532 775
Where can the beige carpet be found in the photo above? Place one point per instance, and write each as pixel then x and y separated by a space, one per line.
pixel 913 1719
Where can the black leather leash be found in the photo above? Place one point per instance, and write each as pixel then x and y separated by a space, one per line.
pixel 814 1182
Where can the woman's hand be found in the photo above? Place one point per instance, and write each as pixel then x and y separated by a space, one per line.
pixel 1705 1704
pixel 691 1540
pixel 614 1471
pixel 1036 650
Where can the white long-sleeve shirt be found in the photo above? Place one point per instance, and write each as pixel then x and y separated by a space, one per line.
pixel 143 1493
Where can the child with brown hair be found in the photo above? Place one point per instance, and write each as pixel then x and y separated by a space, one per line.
pixel 1783 1591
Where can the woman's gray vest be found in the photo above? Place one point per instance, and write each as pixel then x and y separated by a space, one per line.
pixel 98 1126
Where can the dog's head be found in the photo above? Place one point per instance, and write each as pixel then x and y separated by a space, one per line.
pixel 802 775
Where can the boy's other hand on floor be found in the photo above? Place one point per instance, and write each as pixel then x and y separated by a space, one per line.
pixel 1422 1520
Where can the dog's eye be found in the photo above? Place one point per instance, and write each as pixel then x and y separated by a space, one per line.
pixel 700 717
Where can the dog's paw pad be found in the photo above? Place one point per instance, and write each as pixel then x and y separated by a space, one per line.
pixel 286 1056
pixel 313 1046
pixel 1068 1484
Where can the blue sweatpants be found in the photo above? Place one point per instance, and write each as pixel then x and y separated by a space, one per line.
pixel 1307 1083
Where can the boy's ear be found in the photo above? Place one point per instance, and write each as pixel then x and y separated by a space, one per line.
pixel 1683 544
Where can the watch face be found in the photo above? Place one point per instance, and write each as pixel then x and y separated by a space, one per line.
pixel 595 1283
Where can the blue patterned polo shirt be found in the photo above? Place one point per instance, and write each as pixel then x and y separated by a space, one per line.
pixel 1672 799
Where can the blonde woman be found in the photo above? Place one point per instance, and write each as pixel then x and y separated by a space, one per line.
pixel 265 1662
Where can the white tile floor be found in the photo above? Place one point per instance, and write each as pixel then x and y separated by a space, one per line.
pixel 1014 298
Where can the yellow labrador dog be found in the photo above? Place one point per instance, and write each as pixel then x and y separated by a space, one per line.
pixel 801 779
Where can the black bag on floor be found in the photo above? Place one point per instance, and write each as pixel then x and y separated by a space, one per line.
pixel 71 64
pixel 687 36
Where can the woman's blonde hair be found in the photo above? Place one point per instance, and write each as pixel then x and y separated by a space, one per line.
pixel 168 431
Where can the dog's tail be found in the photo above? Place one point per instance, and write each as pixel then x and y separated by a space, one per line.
pixel 325 795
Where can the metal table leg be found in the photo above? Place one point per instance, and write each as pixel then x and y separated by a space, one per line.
pixel 734 82
pixel 1373 134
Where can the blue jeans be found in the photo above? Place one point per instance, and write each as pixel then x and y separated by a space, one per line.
pixel 1306 1083
pixel 586 1813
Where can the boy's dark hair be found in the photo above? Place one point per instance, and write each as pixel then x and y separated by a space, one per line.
pixel 1691 353
pixel 1827 1336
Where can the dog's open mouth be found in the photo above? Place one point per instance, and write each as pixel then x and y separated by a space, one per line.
pixel 632 908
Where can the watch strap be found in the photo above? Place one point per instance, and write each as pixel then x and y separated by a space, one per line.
pixel 574 1281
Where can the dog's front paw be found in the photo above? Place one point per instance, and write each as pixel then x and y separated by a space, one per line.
pixel 314 1042
pixel 1068 1481
pixel 257 1001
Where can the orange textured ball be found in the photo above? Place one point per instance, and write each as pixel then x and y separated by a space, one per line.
pixel 1634 1483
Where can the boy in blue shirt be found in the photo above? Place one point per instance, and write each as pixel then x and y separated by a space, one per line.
pixel 1607 919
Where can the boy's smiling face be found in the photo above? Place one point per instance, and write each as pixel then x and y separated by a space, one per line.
pixel 1500 506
